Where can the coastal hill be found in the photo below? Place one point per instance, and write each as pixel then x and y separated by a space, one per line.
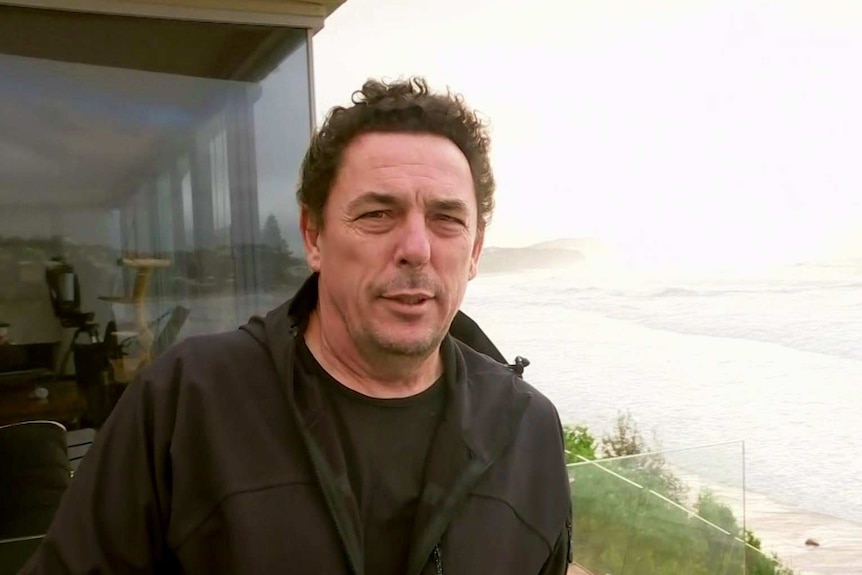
pixel 560 253
pixel 589 247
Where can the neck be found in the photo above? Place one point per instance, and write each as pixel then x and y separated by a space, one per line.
pixel 384 376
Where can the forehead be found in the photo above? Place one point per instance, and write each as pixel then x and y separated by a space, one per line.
pixel 403 163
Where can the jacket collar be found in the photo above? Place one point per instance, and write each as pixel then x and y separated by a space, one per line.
pixel 463 328
pixel 483 411
pixel 480 410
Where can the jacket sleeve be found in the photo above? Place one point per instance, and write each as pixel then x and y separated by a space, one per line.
pixel 114 515
pixel 561 555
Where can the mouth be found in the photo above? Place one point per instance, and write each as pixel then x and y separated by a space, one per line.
pixel 409 299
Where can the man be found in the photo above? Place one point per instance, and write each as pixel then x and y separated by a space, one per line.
pixel 366 426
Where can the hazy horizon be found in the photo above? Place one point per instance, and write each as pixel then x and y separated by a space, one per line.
pixel 716 134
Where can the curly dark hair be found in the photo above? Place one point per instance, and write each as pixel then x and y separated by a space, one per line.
pixel 400 106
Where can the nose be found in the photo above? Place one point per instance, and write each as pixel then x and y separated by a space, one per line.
pixel 414 243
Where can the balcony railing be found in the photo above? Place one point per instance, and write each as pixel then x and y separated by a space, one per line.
pixel 673 512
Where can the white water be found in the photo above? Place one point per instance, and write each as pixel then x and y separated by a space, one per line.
pixel 772 361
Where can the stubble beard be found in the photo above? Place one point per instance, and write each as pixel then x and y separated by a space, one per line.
pixel 386 347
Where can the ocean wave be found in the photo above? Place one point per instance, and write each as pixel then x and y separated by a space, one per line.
pixel 827 341
pixel 682 292
pixel 821 317
pixel 818 321
pixel 690 292
pixel 581 289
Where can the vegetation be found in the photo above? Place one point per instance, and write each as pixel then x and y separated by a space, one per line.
pixel 630 515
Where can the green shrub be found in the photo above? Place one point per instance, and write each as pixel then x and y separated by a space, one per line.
pixel 623 528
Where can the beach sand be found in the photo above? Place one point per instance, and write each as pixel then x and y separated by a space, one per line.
pixel 784 530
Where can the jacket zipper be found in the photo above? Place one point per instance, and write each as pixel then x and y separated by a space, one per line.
pixel 438 559
pixel 474 471
pixel 307 441
pixel 466 478
pixel 338 527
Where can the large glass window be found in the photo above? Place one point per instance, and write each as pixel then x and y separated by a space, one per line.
pixel 157 162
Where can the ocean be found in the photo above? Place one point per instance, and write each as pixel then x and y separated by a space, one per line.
pixel 769 361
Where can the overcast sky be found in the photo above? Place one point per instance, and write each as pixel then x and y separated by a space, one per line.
pixel 684 133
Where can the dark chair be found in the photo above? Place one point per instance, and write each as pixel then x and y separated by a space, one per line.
pixel 79 442
pixel 171 330
pixel 34 474
pixel 117 341
pixel 65 293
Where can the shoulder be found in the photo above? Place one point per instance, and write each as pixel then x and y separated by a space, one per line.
pixel 209 382
pixel 530 475
pixel 208 352
pixel 214 347
pixel 491 373
pixel 204 364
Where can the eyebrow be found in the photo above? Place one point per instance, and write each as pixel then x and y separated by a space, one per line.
pixel 439 204
pixel 448 205
pixel 372 198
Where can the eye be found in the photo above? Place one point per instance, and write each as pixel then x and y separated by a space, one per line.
pixel 449 219
pixel 374 215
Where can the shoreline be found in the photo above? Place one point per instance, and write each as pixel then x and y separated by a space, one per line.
pixel 784 529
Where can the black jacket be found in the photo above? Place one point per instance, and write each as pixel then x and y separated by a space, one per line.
pixel 218 460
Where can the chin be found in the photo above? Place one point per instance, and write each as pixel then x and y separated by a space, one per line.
pixel 408 342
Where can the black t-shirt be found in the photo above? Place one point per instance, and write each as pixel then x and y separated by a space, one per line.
pixel 385 443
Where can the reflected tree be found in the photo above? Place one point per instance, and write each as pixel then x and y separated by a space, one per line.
pixel 271 236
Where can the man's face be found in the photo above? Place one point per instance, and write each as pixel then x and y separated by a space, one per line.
pixel 399 242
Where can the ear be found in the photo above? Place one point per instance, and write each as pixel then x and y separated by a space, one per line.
pixel 310 239
pixel 478 243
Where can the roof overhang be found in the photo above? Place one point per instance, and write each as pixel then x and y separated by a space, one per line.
pixel 97 99
pixel 309 14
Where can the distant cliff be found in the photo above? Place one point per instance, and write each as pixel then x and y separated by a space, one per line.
pixel 590 248
pixel 496 260
pixel 560 253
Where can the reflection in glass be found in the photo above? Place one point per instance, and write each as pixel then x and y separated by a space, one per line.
pixel 170 195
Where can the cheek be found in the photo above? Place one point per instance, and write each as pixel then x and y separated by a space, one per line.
pixel 356 267
pixel 463 260
pixel 345 251
pixel 361 248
